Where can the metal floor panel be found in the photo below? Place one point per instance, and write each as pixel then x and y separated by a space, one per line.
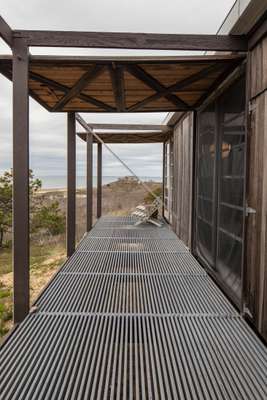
pixel 111 357
pixel 114 222
pixel 132 245
pixel 132 315
pixel 125 233
pixel 123 223
pixel 134 294
pixel 133 263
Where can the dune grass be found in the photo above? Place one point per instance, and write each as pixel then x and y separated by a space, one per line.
pixel 44 259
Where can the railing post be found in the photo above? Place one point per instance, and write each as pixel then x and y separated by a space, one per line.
pixel 89 181
pixel 71 185
pixel 21 231
pixel 163 177
pixel 99 180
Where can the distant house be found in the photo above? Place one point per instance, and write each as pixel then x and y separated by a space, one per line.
pixel 128 179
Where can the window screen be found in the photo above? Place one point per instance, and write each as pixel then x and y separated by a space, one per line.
pixel 220 186
pixel 231 187
pixel 205 184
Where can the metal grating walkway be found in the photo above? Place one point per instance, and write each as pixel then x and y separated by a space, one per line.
pixel 132 315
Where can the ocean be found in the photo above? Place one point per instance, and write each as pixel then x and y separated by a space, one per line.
pixel 60 182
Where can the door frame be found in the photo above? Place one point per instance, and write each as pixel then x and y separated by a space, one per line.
pixel 238 302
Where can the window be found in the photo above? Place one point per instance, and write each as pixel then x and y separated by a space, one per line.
pixel 205 184
pixel 220 187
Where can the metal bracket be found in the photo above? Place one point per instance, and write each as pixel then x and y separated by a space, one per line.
pixel 251 106
pixel 250 210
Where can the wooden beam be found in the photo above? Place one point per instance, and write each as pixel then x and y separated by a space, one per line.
pixel 129 127
pixel 89 182
pixel 121 133
pixel 123 40
pixel 173 118
pixel 258 33
pixel 6 32
pixel 117 79
pixel 65 89
pixel 79 86
pixel 71 185
pixel 21 230
pixel 99 180
pixel 89 171
pixel 151 137
pixel 155 85
pixel 64 60
pixel 216 84
pixel 176 87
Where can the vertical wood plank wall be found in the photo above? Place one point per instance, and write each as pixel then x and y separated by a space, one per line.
pixel 182 178
pixel 256 224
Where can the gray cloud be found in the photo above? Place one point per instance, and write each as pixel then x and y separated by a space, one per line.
pixel 117 15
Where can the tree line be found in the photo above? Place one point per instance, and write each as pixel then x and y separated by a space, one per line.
pixel 45 216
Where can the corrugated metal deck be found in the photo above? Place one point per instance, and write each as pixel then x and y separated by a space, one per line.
pixel 132 315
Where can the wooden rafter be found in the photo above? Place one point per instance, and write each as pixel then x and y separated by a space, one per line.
pixel 216 83
pixel 125 40
pixel 155 85
pixel 79 86
pixel 6 32
pixel 181 84
pixel 145 79
pixel 117 79
pixel 65 89
pixel 8 74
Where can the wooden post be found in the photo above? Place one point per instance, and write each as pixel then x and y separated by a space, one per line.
pixel 99 180
pixel 21 261
pixel 89 180
pixel 71 185
pixel 163 177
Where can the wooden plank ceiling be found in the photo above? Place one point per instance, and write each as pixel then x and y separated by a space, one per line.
pixel 64 84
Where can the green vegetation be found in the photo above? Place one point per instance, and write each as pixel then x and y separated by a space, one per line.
pixel 44 262
pixel 39 254
pixel 5 309
pixel 45 218
pixel 49 218
pixel 47 222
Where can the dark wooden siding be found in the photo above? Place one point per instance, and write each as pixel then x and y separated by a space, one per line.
pixel 256 235
pixel 182 178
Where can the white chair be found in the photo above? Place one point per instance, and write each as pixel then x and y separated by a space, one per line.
pixel 148 213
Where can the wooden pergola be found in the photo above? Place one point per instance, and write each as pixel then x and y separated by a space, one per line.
pixel 84 84
pixel 99 84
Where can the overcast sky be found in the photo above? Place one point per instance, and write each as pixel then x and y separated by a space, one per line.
pixel 47 130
